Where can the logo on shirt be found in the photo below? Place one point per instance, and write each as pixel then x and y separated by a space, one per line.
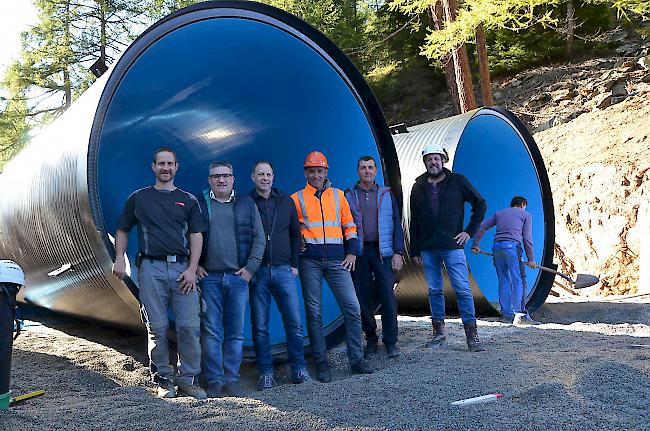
pixel 179 203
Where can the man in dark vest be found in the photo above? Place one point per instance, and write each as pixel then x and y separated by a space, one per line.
pixel 233 247
pixel 381 247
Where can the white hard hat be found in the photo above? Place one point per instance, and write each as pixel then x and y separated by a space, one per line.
pixel 435 148
pixel 11 272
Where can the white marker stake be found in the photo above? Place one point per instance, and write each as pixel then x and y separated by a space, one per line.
pixel 476 400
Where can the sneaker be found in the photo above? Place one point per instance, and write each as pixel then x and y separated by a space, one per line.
pixel 323 372
pixel 370 350
pixel 301 376
pixel 166 389
pixel 233 389
pixel 361 367
pixel 392 351
pixel 506 319
pixel 214 390
pixel 194 391
pixel 524 320
pixel 265 382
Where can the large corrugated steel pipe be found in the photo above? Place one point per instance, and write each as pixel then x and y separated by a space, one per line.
pixel 237 81
pixel 500 158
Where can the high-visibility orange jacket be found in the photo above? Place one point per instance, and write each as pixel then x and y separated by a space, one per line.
pixel 327 224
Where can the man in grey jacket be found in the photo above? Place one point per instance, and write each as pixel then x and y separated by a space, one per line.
pixel 232 251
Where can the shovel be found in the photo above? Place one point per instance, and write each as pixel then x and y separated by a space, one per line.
pixel 581 281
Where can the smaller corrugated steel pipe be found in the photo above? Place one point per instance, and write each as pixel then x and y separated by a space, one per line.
pixel 495 151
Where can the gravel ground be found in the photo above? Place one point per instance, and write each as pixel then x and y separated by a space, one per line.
pixel 587 367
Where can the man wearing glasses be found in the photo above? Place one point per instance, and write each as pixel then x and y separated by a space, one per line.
pixel 233 247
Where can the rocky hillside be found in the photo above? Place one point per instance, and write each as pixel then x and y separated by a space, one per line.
pixel 599 167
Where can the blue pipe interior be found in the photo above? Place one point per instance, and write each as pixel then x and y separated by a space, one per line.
pixel 496 161
pixel 238 90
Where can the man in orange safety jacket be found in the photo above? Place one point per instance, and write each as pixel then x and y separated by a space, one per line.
pixel 330 237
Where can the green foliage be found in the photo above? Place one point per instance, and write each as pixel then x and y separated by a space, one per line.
pixel 512 15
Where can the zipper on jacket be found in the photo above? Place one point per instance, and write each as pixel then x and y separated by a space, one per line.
pixel 322 215
pixel 270 235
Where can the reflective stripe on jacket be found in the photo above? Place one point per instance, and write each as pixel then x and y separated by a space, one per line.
pixel 326 222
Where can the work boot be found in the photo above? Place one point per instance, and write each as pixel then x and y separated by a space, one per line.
pixel 214 390
pixel 323 372
pixel 166 389
pixel 392 351
pixel 361 367
pixel 301 376
pixel 265 382
pixel 194 391
pixel 522 319
pixel 234 389
pixel 473 343
pixel 371 349
pixel 438 335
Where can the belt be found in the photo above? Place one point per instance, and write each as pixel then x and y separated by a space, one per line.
pixel 169 259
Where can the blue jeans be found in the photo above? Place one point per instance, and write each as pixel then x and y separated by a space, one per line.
pixel 456 266
pixel 372 274
pixel 339 280
pixel 277 282
pixel 507 261
pixel 225 296
pixel 158 289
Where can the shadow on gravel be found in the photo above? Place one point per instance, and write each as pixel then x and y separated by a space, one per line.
pixel 594 312
pixel 123 340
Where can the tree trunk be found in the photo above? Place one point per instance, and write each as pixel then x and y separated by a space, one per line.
pixel 102 35
pixel 67 83
pixel 570 28
pixel 484 67
pixel 461 64
pixel 447 64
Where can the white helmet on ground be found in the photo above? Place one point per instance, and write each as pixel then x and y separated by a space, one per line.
pixel 435 148
pixel 11 272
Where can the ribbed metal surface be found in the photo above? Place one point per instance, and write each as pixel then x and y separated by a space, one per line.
pixel 45 223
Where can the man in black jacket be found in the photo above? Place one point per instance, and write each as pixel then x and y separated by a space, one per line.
pixel 276 277
pixel 437 236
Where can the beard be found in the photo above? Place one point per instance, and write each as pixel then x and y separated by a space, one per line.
pixel 435 172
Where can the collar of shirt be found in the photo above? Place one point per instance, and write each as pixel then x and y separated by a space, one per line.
pixel 374 187
pixel 230 199
pixel 274 194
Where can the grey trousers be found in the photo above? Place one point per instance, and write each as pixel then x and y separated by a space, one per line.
pixel 158 290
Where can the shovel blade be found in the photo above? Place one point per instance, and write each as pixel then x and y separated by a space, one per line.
pixel 585 280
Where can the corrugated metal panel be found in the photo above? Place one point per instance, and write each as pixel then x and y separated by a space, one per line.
pixel 45 222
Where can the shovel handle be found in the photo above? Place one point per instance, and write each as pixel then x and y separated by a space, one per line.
pixel 543 268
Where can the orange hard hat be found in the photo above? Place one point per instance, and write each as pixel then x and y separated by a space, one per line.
pixel 316 159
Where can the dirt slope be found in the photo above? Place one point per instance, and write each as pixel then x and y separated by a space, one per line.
pixel 599 165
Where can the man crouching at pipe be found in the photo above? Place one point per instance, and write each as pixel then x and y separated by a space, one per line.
pixel 331 243
pixel 168 219
pixel 233 247
pixel 437 237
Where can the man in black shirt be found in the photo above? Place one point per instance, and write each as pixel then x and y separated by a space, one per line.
pixel 276 277
pixel 169 241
